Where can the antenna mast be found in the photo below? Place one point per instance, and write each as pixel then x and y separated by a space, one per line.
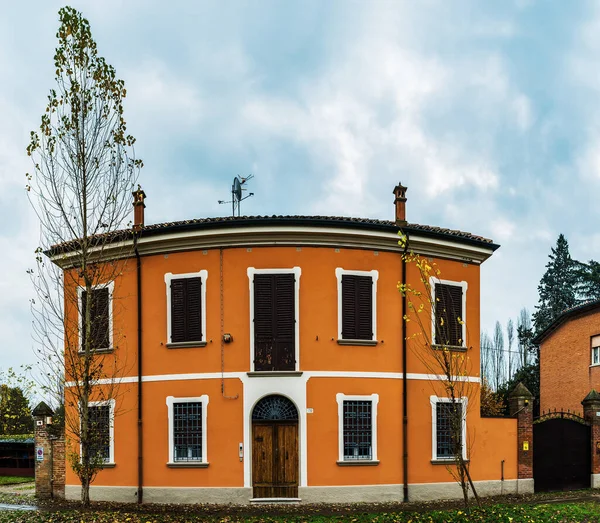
pixel 237 187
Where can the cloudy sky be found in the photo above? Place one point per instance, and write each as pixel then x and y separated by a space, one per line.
pixel 488 111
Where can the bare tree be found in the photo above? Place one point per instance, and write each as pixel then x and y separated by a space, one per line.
pixel 499 364
pixel 486 356
pixel 510 336
pixel 439 344
pixel 84 171
pixel 524 335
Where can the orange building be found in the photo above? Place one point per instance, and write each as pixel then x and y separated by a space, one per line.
pixel 274 363
pixel 576 333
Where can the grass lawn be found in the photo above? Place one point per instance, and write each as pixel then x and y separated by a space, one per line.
pixel 579 512
pixel 11 480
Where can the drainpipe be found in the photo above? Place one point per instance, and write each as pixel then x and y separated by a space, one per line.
pixel 404 384
pixel 140 492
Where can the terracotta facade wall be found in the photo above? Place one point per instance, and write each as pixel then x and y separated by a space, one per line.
pixel 197 371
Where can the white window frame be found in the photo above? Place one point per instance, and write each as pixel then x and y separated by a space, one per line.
pixel 463 284
pixel 595 343
pixel 434 400
pixel 80 290
pixel 171 400
pixel 111 428
pixel 203 275
pixel 374 399
pixel 297 272
pixel 374 275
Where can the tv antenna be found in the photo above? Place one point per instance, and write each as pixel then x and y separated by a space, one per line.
pixel 237 187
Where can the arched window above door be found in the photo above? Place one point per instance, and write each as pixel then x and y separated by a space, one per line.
pixel 275 408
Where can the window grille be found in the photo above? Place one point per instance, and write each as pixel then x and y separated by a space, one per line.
pixel 187 431
pixel 358 430
pixel 449 424
pixel 99 427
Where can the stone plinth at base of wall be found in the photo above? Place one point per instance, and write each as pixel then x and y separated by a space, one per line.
pixel 340 494
pixel 595 482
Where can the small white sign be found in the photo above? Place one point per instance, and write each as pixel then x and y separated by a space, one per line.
pixel 309 411
pixel 39 453
pixel 598 413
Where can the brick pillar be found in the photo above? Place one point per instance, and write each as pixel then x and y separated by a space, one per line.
pixel 43 451
pixel 591 412
pixel 521 405
pixel 58 468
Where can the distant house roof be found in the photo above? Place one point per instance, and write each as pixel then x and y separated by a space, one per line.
pixel 314 221
pixel 580 309
pixel 25 439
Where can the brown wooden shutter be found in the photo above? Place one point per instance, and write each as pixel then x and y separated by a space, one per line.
pixel 99 319
pixel 285 322
pixel 186 310
pixel 274 322
pixel 357 307
pixel 448 309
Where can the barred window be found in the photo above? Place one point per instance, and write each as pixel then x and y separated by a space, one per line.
pixel 99 429
pixel 187 431
pixel 358 430
pixel 449 428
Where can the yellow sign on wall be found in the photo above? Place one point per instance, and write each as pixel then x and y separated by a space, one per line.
pixel 526 445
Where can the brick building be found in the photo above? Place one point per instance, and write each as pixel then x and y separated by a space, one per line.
pixel 570 358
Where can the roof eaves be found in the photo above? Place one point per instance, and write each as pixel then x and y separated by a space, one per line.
pixel 567 314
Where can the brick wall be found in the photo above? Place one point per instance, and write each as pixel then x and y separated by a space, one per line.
pixel 565 356
pixel 58 468
pixel 50 471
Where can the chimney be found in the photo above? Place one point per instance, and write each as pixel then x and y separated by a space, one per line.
pixel 138 208
pixel 400 202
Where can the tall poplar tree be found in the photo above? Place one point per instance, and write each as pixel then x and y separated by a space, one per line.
pixel 84 170
pixel 558 287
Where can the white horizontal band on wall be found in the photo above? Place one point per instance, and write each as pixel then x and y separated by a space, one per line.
pixel 243 376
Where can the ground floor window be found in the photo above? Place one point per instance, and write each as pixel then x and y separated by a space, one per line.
pixel 187 429
pixel 449 427
pixel 357 422
pixel 101 430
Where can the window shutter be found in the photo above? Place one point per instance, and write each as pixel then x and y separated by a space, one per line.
pixel 263 307
pixel 193 301
pixel 364 308
pixel 285 324
pixel 448 308
pixel 178 311
pixel 99 319
pixel 274 322
pixel 186 310
pixel 348 307
pixel 357 307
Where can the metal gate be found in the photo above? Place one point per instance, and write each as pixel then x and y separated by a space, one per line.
pixel 561 452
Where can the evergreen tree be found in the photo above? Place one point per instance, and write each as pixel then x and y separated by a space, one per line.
pixel 15 415
pixel 558 286
pixel 588 276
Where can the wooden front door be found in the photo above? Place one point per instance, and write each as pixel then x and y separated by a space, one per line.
pixel 275 460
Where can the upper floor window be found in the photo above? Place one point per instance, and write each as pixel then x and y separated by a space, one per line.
pixel 101 427
pixel 357 418
pixel 449 311
pixel 449 428
pixel 596 350
pixel 186 309
pixel 101 312
pixel 187 430
pixel 274 307
pixel 357 306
